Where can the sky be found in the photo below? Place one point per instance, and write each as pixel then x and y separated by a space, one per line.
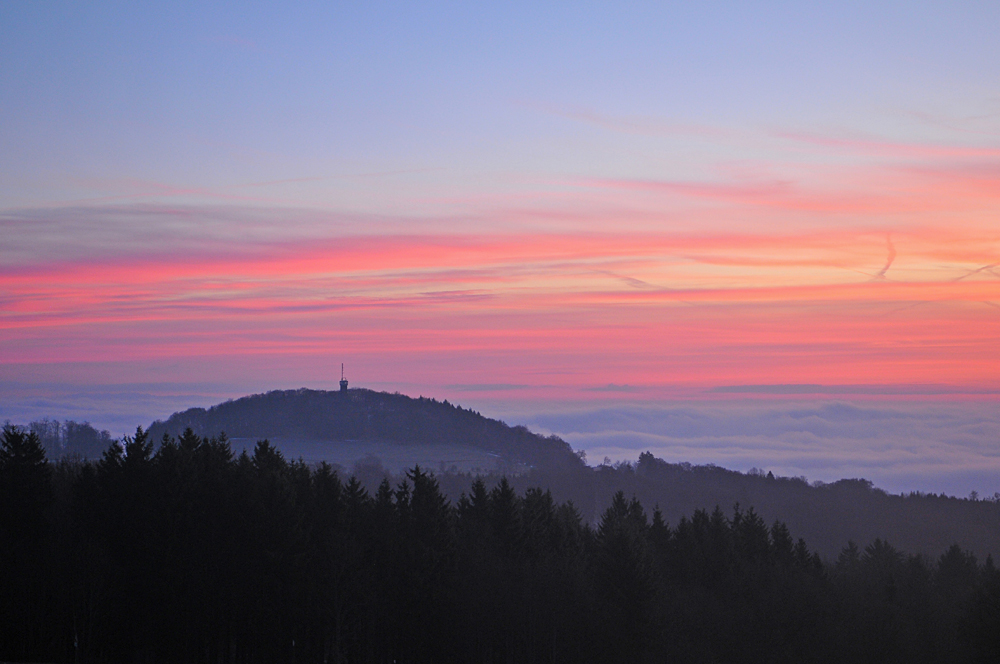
pixel 593 219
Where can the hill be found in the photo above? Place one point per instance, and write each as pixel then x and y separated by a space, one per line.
pixel 375 435
pixel 826 515
pixel 317 424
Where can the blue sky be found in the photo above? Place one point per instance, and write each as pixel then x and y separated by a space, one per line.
pixel 201 97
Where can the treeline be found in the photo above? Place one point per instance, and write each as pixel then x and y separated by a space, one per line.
pixel 71 439
pixel 826 515
pixel 184 552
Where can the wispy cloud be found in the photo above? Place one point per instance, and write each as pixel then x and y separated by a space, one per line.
pixel 857 390
pixel 612 387
pixel 883 148
pixel 660 308
pixel 875 267
pixel 486 387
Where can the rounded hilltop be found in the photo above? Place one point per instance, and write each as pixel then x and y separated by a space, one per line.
pixel 366 416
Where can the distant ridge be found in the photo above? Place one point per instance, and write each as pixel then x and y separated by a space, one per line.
pixel 826 515
pixel 369 416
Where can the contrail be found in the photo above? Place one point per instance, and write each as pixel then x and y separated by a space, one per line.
pixel 631 281
pixel 985 268
pixel 892 256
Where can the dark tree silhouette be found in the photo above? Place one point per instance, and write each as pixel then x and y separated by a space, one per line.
pixel 25 501
pixel 183 551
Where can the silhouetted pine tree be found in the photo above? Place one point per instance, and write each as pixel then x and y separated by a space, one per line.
pixel 25 502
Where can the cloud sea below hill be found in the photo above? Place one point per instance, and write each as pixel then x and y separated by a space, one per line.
pixel 951 447
pixel 929 444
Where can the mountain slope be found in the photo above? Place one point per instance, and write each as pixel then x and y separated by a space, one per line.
pixel 360 415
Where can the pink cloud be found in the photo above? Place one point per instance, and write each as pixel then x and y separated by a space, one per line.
pixel 548 300
pixel 773 272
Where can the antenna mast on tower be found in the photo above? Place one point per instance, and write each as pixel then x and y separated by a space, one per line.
pixel 343 381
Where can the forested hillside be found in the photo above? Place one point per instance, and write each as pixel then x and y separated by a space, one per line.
pixel 187 553
pixel 71 439
pixel 365 415
pixel 827 515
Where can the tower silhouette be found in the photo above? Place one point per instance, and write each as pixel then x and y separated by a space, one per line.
pixel 343 381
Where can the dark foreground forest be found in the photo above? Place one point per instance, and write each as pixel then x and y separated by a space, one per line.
pixel 183 552
pixel 826 515
pixel 319 426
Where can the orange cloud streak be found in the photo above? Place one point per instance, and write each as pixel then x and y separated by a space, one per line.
pixel 661 309
pixel 786 273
